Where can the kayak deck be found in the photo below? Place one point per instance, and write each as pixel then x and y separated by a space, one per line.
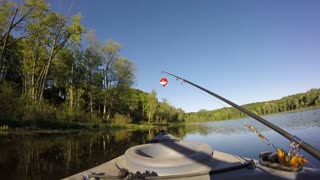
pixel 220 161
pixel 168 157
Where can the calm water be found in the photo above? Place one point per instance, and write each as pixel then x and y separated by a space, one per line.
pixel 26 155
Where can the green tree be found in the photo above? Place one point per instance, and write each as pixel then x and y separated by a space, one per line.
pixel 93 77
pixel 122 73
pixel 149 105
pixel 109 53
pixel 14 17
pixel 121 78
pixel 39 51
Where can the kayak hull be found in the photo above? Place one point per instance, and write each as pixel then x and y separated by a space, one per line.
pixel 177 159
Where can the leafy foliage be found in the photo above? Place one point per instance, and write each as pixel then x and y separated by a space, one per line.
pixel 294 102
pixel 49 79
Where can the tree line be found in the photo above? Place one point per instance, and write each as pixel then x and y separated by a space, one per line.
pixel 55 73
pixel 299 101
pixel 53 70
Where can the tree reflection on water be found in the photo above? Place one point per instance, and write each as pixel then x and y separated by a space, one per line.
pixel 26 155
pixel 34 155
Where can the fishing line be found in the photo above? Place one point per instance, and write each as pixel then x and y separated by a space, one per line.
pixel 221 103
pixel 262 137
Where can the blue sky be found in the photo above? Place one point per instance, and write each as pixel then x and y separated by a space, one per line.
pixel 247 51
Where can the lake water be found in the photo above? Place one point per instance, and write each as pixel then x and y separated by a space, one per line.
pixel 36 155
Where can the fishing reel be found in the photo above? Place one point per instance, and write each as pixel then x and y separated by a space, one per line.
pixel 292 158
pixel 288 161
pixel 281 160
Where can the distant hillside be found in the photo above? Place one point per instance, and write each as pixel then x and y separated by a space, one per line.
pixel 308 99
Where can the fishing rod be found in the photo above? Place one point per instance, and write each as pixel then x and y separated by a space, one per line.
pixel 303 145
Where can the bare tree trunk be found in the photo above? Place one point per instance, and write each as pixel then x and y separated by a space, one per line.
pixel 54 49
pixel 105 95
pixel 45 74
pixel 108 114
pixel 33 97
pixel 78 99
pixel 71 92
pixel 91 107
pixel 149 117
pixel 106 85
pixel 104 107
pixel 39 81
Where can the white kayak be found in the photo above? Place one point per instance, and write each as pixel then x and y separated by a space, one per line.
pixel 168 157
